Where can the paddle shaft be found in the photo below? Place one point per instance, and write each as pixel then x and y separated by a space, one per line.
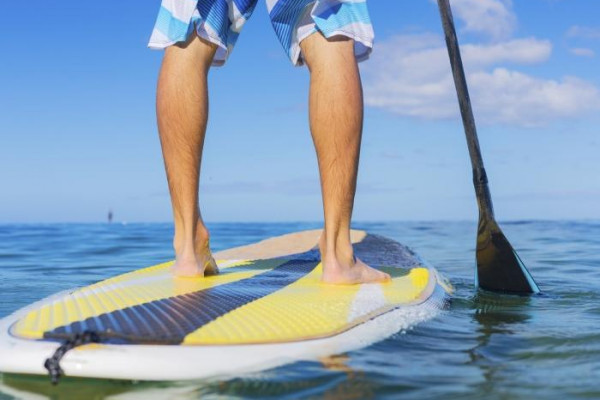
pixel 480 180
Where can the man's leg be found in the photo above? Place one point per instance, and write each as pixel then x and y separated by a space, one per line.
pixel 336 116
pixel 182 111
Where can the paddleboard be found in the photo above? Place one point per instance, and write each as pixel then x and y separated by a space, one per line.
pixel 266 308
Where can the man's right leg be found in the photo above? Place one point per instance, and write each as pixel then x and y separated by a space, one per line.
pixel 182 112
pixel 336 117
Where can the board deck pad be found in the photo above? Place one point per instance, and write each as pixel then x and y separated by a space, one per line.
pixel 251 301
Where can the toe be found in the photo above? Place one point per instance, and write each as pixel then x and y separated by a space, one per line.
pixel 378 276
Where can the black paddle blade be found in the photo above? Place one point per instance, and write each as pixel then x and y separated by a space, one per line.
pixel 499 268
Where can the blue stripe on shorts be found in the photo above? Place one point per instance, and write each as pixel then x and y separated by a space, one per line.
pixel 220 21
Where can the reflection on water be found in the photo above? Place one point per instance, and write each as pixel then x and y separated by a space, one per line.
pixel 498 317
pixel 483 346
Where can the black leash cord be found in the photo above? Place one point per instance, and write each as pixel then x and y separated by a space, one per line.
pixel 52 364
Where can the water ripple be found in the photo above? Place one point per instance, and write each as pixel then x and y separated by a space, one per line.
pixel 484 346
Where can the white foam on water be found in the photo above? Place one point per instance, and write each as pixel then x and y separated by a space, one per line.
pixel 369 298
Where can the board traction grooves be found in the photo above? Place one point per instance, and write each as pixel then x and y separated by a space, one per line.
pixel 170 320
pixel 256 314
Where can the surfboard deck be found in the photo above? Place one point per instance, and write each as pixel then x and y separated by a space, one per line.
pixel 266 308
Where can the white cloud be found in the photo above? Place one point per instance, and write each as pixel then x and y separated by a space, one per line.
pixel 512 97
pixel 410 75
pixel 582 52
pixel 586 32
pixel 518 51
pixel 491 17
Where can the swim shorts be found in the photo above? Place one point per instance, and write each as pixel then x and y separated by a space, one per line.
pixel 220 22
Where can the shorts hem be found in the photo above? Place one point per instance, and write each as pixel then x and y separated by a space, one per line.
pixel 298 61
pixel 203 33
pixel 352 22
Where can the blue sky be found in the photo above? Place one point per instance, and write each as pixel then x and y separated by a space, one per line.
pixel 78 127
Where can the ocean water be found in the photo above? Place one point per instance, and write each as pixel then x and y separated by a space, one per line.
pixel 484 346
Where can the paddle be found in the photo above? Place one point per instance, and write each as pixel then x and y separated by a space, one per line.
pixel 499 268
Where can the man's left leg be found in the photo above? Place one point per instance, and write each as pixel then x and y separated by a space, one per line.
pixel 336 116
pixel 182 112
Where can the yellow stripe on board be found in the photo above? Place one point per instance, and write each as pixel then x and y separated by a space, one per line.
pixel 131 289
pixel 407 288
pixel 305 309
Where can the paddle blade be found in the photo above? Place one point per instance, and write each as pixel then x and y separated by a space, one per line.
pixel 499 267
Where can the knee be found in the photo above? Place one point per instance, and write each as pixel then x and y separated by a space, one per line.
pixel 195 51
pixel 317 50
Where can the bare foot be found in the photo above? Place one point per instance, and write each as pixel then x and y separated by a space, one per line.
pixel 343 268
pixel 351 273
pixel 196 261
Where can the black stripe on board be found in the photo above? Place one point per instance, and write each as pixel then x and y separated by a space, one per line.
pixel 168 321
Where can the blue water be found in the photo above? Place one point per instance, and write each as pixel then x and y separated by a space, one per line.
pixel 482 346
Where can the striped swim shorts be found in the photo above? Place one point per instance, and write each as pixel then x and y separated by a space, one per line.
pixel 220 22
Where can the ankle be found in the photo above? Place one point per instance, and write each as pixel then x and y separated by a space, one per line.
pixel 202 233
pixel 202 239
pixel 188 244
pixel 336 249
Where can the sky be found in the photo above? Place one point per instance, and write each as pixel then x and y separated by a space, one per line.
pixel 79 137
